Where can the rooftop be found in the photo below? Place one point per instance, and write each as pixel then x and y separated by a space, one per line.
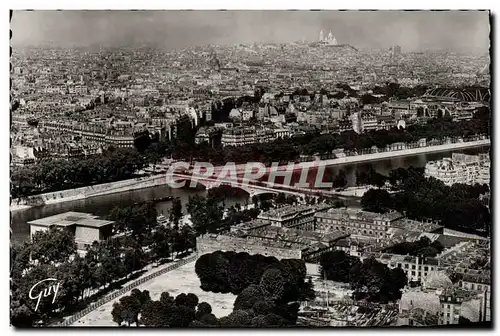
pixel 415 226
pixel 298 236
pixel 343 213
pixel 292 210
pixel 71 218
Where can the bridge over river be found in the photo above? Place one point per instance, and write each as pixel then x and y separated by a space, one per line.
pixel 252 187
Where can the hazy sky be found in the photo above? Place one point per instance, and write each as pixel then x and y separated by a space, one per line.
pixel 451 30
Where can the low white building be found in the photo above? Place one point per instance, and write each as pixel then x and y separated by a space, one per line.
pixel 85 227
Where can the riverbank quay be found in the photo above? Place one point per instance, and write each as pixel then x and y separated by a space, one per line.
pixel 87 192
pixel 159 180
pixel 395 153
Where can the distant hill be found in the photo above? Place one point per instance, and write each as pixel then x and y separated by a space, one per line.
pixel 341 46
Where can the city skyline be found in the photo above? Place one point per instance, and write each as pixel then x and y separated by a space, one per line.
pixel 412 30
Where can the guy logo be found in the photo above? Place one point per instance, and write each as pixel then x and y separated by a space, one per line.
pixel 48 291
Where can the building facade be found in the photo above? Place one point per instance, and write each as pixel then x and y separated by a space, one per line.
pixel 460 168
pixel 356 222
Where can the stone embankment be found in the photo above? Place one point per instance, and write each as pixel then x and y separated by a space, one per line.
pixel 157 180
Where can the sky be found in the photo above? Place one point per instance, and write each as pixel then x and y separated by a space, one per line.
pixel 412 30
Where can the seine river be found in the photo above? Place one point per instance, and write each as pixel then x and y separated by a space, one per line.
pixel 101 205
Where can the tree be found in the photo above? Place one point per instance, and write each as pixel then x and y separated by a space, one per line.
pixel 336 265
pixel 107 258
pixel 160 246
pixel 54 245
pixel 153 314
pixel 117 313
pixel 368 99
pixel 206 214
pixel 21 316
pixel 138 219
pixel 397 176
pixel 20 258
pixel 272 284
pixel 181 316
pixel 249 297
pixel 133 259
pixel 394 280
pixel 191 300
pixel 128 308
pixel 424 247
pixel 203 309
pixel 374 281
pixel 176 211
pixel 376 200
pixel 73 283
pixel 210 320
pixel 211 269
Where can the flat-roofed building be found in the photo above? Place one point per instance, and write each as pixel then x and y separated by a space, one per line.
pixel 86 228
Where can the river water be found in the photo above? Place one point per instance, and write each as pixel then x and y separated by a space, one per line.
pixel 101 205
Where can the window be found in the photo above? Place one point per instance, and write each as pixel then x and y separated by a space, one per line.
pixel 413 267
pixel 479 287
pixel 426 268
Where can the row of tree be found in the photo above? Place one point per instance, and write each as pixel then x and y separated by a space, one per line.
pixel 60 174
pixel 267 291
pixel 106 264
pixel 224 272
pixel 370 279
pixel 313 143
pixel 252 308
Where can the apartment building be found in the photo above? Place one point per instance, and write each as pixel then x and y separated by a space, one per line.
pixel 364 122
pixel 239 136
pixel 294 216
pixel 460 168
pixel 356 222
pixel 482 283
